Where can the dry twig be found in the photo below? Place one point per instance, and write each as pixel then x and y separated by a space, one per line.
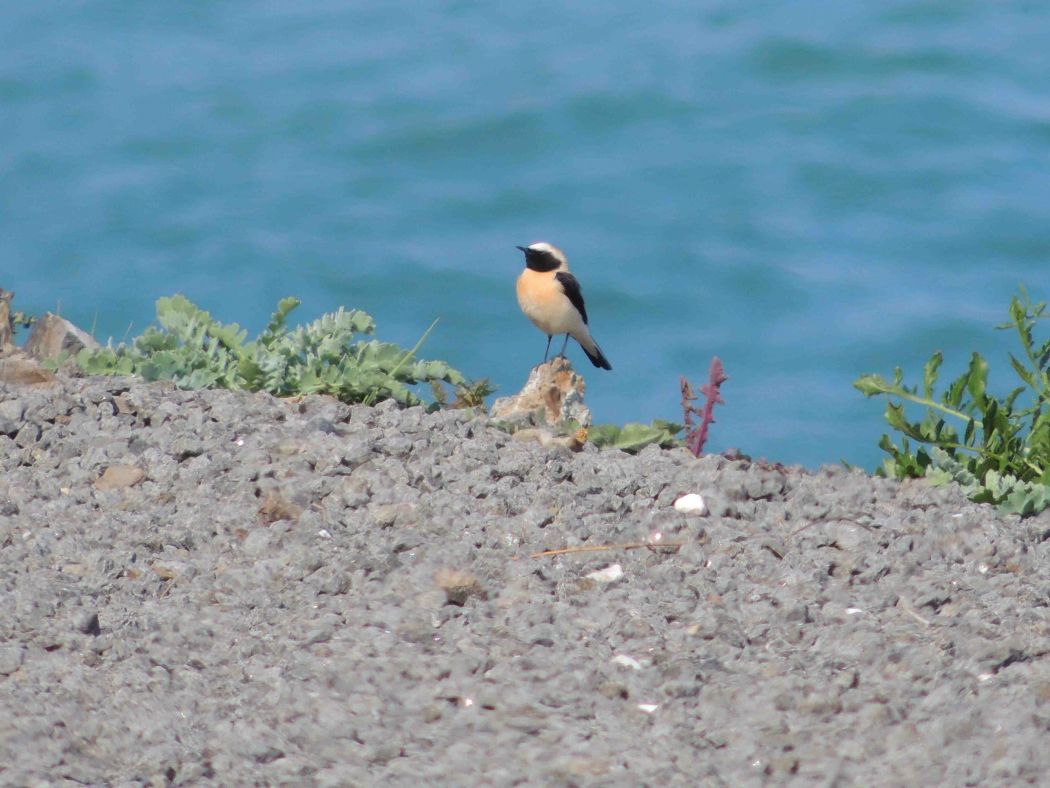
pixel 905 605
pixel 831 521
pixel 595 548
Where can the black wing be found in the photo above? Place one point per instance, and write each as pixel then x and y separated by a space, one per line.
pixel 572 292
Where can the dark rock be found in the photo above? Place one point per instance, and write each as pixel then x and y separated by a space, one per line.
pixel 87 623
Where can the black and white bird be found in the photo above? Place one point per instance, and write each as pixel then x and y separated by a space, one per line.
pixel 551 298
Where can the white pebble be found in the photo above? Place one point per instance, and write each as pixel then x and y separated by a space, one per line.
pixel 627 662
pixel 609 574
pixel 648 708
pixel 691 504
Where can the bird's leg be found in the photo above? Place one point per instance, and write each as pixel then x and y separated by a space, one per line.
pixel 548 350
pixel 565 345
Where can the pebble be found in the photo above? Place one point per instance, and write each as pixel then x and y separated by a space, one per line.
pixel 117 477
pixel 11 658
pixel 609 574
pixel 87 622
pixel 692 503
pixel 628 662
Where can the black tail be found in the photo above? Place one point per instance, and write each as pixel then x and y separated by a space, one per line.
pixel 597 357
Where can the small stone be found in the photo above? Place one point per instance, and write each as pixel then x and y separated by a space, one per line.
pixel 389 514
pixel 763 487
pixel 87 622
pixel 584 767
pixel 11 658
pixel 395 446
pixel 324 425
pixel 274 508
pixel 322 631
pixel 459 586
pixel 821 704
pixel 257 542
pixel 117 477
pixel 784 764
pixel 432 713
pixel 609 574
pixel 846 680
pixel 356 450
pixel 13 409
pixel 333 582
pixel 613 690
pixel 169 570
pixel 385 752
pixel 28 434
pixel 693 503
pixel 124 406
pixel 627 662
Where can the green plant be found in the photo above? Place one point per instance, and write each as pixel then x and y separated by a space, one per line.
pixel 633 437
pixel 323 357
pixel 468 395
pixel 997 449
pixel 22 319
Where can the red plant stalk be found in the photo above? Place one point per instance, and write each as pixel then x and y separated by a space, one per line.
pixel 696 436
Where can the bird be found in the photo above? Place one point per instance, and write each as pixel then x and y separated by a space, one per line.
pixel 551 298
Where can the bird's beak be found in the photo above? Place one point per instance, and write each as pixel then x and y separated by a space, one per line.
pixel 523 248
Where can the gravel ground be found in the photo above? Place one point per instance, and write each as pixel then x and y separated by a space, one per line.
pixel 211 587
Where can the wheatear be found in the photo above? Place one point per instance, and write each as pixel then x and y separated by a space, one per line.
pixel 550 297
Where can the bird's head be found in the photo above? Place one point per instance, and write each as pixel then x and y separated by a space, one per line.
pixel 542 256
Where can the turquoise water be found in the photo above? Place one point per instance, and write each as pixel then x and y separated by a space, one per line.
pixel 808 190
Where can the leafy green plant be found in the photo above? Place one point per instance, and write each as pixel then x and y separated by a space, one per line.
pixel 634 437
pixel 997 449
pixel 324 357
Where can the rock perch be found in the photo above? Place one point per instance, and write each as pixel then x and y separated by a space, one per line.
pixel 552 395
